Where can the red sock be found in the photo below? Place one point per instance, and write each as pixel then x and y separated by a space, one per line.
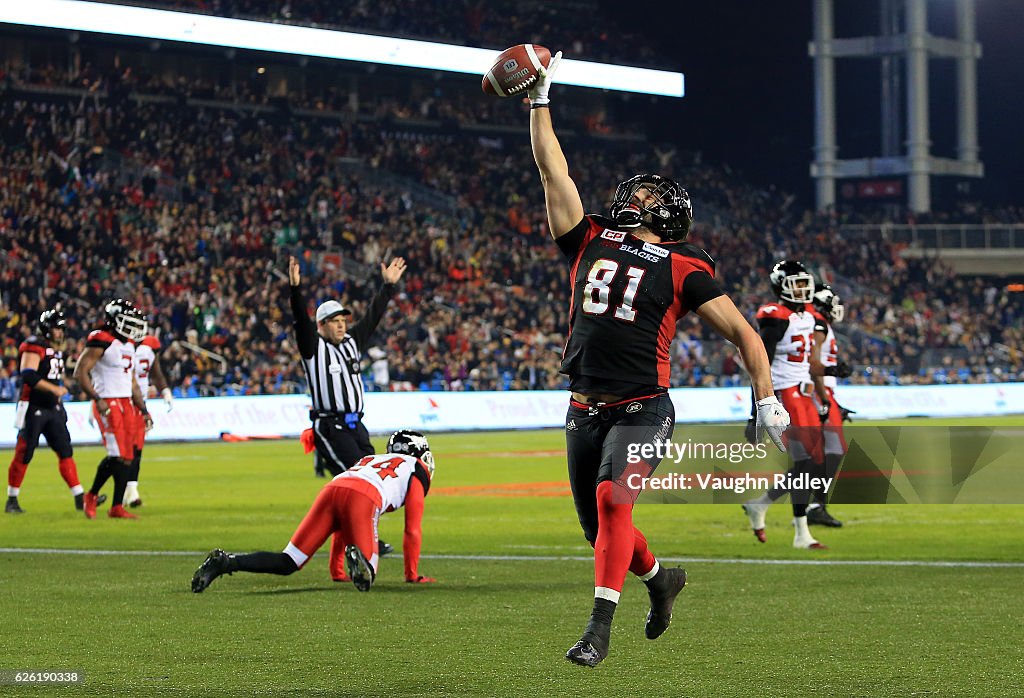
pixel 615 540
pixel 643 559
pixel 69 472
pixel 16 473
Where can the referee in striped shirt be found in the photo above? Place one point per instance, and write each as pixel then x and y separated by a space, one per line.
pixel 331 352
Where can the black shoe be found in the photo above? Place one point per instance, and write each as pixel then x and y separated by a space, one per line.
pixel 819 516
pixel 13 507
pixel 215 564
pixel 663 593
pixel 80 501
pixel 135 503
pixel 384 548
pixel 318 471
pixel 101 499
pixel 592 648
pixel 358 568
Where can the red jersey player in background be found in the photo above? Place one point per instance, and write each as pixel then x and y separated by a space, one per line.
pixel 147 367
pixel 106 373
pixel 349 507
pixel 825 370
pixel 787 330
pixel 40 408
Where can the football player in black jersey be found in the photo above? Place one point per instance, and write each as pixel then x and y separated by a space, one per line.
pixel 633 276
pixel 40 411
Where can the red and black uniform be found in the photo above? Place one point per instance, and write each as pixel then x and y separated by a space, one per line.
pixel 627 295
pixel 43 415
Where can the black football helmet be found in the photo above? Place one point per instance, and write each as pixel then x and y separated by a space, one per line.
pixel 126 320
pixel 792 282
pixel 828 303
pixel 52 319
pixel 669 216
pixel 412 443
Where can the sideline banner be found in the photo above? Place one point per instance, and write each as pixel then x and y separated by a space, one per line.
pixel 287 415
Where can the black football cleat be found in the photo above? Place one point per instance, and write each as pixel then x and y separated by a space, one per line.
pixel 13 507
pixel 592 648
pixel 819 516
pixel 384 548
pixel 358 568
pixel 663 595
pixel 215 564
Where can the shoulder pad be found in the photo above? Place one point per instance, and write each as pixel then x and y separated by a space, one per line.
pixel 774 310
pixel 151 342
pixel 690 250
pixel 97 337
pixel 33 345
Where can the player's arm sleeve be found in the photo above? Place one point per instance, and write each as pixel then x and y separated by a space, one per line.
pixel 413 536
pixel 362 330
pixel 305 329
pixel 772 330
pixel 699 287
pixel 571 243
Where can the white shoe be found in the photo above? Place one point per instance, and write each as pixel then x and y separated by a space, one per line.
pixel 802 539
pixel 756 512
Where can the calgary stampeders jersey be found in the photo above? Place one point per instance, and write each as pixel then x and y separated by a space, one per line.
pixel 390 474
pixel 791 363
pixel 829 352
pixel 627 295
pixel 145 356
pixel 112 374
pixel 51 368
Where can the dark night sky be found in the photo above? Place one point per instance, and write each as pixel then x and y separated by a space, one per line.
pixel 749 87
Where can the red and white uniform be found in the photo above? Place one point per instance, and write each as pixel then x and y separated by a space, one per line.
pixel 112 378
pixel 791 377
pixel 350 505
pixel 145 356
pixel 835 441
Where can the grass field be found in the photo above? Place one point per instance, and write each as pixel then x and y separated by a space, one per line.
pixel 906 603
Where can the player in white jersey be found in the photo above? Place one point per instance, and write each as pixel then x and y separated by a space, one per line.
pixel 147 367
pixel 105 371
pixel 349 507
pixel 826 369
pixel 787 329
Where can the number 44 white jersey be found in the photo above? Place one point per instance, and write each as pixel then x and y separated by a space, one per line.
pixel 390 473
pixel 791 364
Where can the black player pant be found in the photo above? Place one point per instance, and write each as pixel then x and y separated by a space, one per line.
pixel 597 440
pixel 51 422
pixel 340 443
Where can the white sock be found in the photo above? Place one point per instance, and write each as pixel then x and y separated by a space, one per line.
pixel 13 491
pixel 800 523
pixel 77 490
pixel 606 593
pixel 763 499
pixel 650 575
pixel 131 492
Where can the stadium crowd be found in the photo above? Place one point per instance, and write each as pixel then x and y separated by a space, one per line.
pixel 190 211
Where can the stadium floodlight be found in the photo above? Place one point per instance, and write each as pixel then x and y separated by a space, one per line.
pixel 167 25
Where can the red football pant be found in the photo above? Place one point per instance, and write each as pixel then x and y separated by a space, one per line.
pixel 120 427
pixel 348 508
pixel 835 440
pixel 805 425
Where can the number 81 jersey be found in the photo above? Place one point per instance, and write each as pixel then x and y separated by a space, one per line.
pixel 627 295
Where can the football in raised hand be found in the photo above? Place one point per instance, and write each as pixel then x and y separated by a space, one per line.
pixel 516 70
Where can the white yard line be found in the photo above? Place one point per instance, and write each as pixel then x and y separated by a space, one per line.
pixel 574 558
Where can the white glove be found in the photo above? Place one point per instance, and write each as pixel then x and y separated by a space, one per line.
pixel 539 92
pixel 168 398
pixel 773 419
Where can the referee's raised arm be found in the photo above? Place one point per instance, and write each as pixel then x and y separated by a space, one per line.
pixel 305 330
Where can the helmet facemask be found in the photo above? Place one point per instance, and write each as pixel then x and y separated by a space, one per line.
pixel 797 288
pixel 653 202
pixel 829 303
pixel 126 320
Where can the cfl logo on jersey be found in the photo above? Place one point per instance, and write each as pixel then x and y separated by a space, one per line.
pixel 613 235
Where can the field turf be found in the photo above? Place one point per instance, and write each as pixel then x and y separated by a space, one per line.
pixel 514 590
